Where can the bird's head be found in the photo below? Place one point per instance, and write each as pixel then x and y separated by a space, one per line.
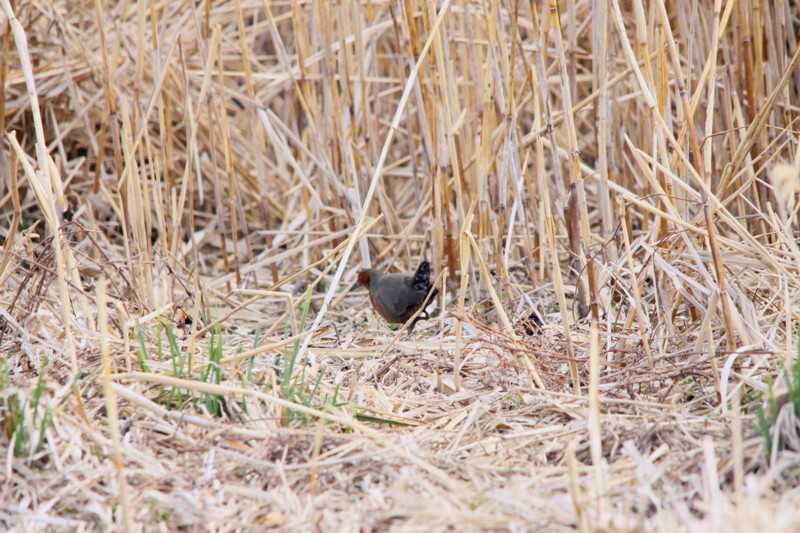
pixel 364 278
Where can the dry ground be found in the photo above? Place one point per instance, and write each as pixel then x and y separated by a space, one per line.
pixel 606 189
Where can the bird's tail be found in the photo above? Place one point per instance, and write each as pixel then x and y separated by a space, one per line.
pixel 422 282
pixel 422 277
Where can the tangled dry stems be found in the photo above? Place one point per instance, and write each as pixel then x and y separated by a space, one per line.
pixel 621 284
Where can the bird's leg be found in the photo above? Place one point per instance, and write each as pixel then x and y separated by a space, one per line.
pixel 423 316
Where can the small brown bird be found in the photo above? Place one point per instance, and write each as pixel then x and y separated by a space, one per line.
pixel 396 297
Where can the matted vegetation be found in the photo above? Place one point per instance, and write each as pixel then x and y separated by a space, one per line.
pixel 606 190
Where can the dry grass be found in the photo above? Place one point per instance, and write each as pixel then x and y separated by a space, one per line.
pixel 606 190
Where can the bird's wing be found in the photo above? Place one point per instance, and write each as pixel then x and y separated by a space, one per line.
pixel 397 300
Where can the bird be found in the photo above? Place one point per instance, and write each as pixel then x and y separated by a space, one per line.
pixel 396 297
